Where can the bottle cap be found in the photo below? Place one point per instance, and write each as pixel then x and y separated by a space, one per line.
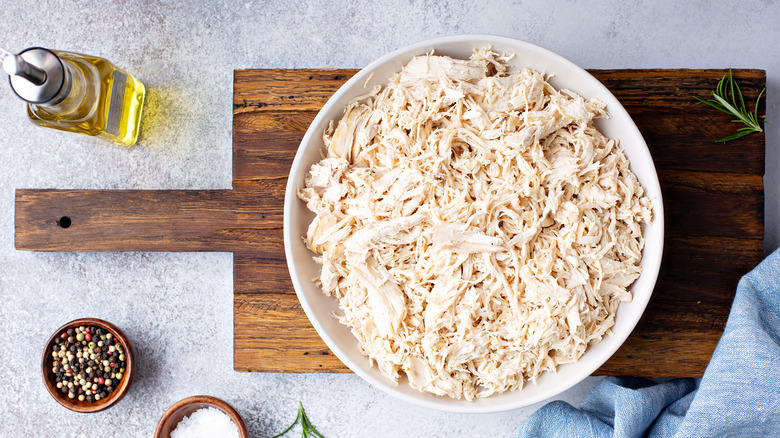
pixel 37 75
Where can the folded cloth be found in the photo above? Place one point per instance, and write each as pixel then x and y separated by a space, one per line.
pixel 739 394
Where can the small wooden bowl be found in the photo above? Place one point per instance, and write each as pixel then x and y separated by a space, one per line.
pixel 50 379
pixel 187 406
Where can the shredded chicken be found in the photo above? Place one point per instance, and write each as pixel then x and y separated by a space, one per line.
pixel 475 227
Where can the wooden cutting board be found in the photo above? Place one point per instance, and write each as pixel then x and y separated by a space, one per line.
pixel 713 194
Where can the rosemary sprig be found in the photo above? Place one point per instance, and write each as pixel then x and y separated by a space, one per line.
pixel 725 99
pixel 308 428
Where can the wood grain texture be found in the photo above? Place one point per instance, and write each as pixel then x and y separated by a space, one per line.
pixel 285 90
pixel 272 334
pixel 147 220
pixel 713 194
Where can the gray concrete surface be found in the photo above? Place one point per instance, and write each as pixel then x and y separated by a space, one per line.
pixel 177 308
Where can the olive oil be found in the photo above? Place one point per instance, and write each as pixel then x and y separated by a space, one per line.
pixel 89 95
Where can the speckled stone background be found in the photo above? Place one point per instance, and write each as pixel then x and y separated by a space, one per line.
pixel 177 308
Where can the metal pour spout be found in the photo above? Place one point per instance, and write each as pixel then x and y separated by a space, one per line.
pixel 37 75
pixel 15 65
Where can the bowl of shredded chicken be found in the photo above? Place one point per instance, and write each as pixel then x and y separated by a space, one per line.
pixel 473 224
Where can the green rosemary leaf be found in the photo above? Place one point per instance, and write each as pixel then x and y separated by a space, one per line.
pixel 289 427
pixel 728 98
pixel 308 429
pixel 712 103
pixel 729 107
pixel 755 109
pixel 735 135
pixel 741 99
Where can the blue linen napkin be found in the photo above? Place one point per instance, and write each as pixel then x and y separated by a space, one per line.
pixel 739 394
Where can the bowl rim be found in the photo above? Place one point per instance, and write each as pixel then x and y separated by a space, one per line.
pixel 649 274
pixel 99 405
pixel 215 402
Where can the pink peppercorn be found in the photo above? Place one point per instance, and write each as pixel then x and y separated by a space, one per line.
pixel 88 337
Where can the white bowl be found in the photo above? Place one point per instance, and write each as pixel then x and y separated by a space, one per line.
pixel 319 308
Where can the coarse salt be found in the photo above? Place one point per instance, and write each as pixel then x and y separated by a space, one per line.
pixel 206 423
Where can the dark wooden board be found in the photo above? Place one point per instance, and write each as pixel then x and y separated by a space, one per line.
pixel 713 194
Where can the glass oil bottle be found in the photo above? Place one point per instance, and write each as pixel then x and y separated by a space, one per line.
pixel 77 93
